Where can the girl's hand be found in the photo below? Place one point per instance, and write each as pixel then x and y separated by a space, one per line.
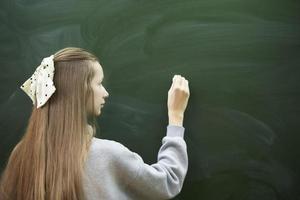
pixel 178 96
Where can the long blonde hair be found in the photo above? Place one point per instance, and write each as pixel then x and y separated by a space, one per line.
pixel 48 162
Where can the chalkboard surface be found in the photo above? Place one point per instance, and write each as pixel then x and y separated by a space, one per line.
pixel 242 60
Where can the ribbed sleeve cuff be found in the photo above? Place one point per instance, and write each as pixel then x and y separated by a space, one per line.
pixel 173 131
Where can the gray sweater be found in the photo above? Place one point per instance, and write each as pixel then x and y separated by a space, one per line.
pixel 113 172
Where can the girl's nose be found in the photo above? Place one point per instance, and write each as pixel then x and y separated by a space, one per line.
pixel 106 93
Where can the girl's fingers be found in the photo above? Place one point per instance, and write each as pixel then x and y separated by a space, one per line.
pixel 171 88
pixel 180 81
pixel 174 78
pixel 173 82
pixel 186 86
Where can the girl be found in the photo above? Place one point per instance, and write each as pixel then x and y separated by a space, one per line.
pixel 59 156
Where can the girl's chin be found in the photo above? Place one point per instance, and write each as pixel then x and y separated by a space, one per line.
pixel 99 111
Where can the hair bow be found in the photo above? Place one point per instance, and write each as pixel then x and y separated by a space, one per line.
pixel 39 87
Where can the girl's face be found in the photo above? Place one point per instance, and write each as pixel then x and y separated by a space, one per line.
pixel 99 91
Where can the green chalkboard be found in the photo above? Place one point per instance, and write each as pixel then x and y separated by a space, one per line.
pixel 242 60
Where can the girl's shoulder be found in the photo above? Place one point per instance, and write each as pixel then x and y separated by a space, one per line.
pixel 99 142
pixel 109 147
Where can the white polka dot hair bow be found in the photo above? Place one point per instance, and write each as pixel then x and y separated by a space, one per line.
pixel 39 87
